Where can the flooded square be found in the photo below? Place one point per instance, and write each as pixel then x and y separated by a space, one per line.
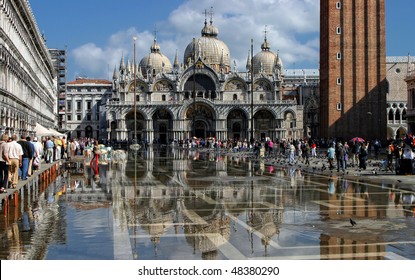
pixel 181 204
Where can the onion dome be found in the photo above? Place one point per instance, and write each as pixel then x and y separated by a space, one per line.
pixel 209 49
pixel 266 62
pixel 155 62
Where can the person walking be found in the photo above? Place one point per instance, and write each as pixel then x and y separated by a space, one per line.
pixel 292 154
pixel 38 154
pixel 32 156
pixel 4 162
pixel 15 157
pixel 330 156
pixel 49 150
pixel 27 155
pixel 363 155
pixel 340 156
pixel 307 154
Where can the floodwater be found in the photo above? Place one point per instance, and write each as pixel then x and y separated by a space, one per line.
pixel 174 204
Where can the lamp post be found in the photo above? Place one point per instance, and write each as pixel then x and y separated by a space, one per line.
pixel 194 88
pixel 252 91
pixel 135 95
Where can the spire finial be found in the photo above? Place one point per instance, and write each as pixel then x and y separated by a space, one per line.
pixel 265 32
pixel 155 33
pixel 211 15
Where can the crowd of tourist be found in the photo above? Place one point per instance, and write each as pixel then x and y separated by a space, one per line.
pixel 21 157
pixel 340 154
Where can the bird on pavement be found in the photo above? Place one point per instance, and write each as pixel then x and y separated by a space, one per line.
pixel 352 222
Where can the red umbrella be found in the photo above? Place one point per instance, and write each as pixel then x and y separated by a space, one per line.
pixel 357 139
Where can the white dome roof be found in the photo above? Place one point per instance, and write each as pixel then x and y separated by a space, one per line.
pixel 266 61
pixel 211 50
pixel 155 61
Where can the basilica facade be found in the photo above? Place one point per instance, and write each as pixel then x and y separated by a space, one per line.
pixel 158 101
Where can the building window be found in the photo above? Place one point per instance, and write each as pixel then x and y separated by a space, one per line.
pixel 338 106
pixel 137 98
pixel 69 106
pixel 338 5
pixel 235 97
pixel 78 117
pixel 163 97
pixel 339 81
pixel 69 117
pixel 88 117
pixel 88 105
pixel 78 105
pixel 338 30
pixel 261 97
pixel 339 56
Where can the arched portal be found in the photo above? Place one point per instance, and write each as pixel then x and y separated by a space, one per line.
pixel 88 132
pixel 401 133
pixel 162 125
pixel 264 123
pixel 113 135
pixel 202 120
pixel 139 128
pixel 237 125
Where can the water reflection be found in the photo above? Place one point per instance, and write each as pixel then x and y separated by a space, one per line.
pixel 189 204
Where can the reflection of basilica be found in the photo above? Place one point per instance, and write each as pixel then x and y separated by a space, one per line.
pixel 203 96
pixel 198 197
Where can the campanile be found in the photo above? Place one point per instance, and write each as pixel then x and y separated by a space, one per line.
pixel 353 69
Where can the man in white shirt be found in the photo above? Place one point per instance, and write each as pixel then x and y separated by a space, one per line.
pixel 408 154
pixel 15 156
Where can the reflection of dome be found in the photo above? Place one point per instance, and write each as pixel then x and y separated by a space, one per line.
pixel 155 61
pixel 266 61
pixel 211 50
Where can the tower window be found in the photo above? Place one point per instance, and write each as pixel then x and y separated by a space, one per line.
pixel 338 5
pixel 338 106
pixel 339 56
pixel 338 30
pixel 339 81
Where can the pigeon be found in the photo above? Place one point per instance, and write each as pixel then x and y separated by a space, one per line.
pixel 352 222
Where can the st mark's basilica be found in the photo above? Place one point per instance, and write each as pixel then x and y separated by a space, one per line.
pixel 203 96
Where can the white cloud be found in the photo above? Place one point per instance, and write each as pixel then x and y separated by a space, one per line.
pixel 292 28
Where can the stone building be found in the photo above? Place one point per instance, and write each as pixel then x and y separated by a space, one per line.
pixel 85 107
pixel 352 69
pixel 397 69
pixel 202 96
pixel 27 75
pixel 304 85
pixel 410 114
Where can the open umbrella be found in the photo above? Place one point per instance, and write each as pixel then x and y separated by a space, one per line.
pixel 357 139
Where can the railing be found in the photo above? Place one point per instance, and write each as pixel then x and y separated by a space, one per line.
pixel 216 102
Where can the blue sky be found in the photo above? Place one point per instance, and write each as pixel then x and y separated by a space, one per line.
pixel 97 32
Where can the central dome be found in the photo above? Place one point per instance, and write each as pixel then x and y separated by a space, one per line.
pixel 211 50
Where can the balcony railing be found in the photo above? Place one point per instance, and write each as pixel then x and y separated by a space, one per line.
pixel 216 102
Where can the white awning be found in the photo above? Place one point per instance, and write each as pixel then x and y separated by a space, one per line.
pixel 56 133
pixel 42 131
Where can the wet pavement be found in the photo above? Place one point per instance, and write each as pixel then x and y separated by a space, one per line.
pixel 179 204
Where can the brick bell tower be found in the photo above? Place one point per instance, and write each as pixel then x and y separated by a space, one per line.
pixel 353 69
